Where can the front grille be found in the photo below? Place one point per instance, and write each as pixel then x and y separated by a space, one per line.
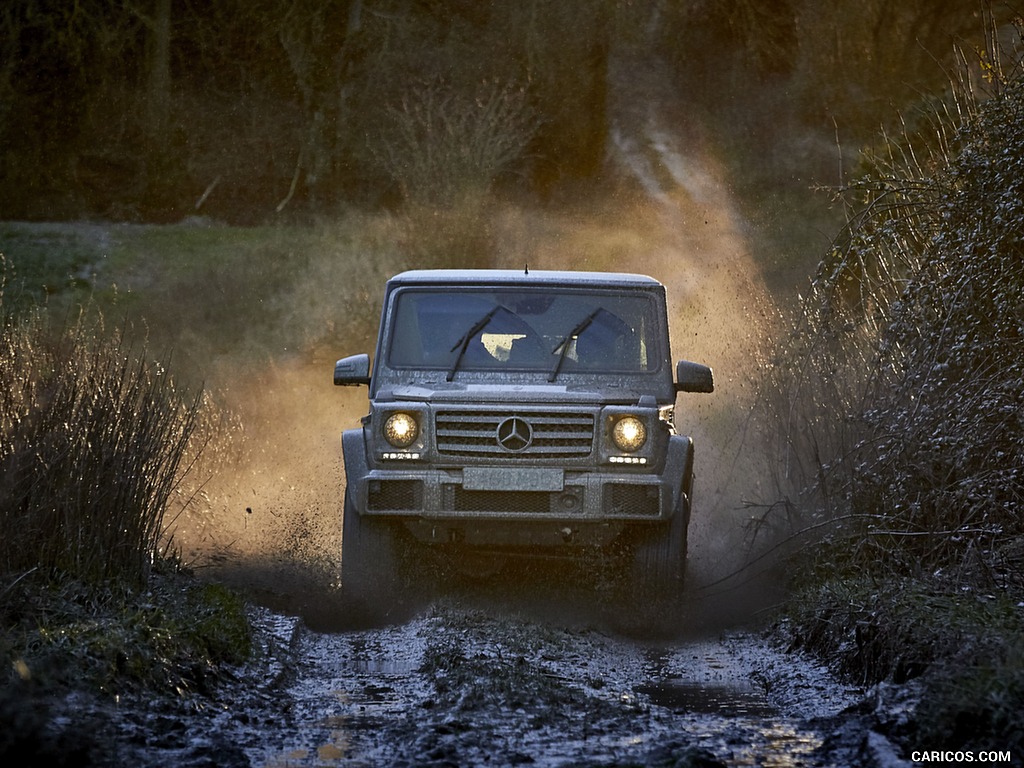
pixel 553 434
pixel 395 495
pixel 631 500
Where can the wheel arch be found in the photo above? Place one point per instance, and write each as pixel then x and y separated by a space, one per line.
pixel 357 466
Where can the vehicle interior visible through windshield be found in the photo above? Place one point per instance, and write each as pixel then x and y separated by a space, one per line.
pixel 523 330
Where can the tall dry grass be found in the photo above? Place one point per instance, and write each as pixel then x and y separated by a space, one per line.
pixel 93 435
pixel 894 406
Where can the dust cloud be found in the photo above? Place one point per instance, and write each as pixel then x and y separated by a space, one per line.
pixel 264 507
pixel 267 513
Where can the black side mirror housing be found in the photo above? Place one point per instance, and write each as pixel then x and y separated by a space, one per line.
pixel 694 377
pixel 353 370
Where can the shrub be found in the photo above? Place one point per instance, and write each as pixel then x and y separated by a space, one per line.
pixel 444 146
pixel 93 437
pixel 897 404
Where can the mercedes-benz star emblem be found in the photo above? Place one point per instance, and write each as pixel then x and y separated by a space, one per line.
pixel 515 434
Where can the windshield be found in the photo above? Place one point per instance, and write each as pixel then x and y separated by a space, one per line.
pixel 544 331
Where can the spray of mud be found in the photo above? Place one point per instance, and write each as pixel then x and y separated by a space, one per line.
pixel 268 517
pixel 261 510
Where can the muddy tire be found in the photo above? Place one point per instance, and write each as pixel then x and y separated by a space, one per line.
pixel 370 583
pixel 658 574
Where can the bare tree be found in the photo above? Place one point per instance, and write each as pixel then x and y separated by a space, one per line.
pixel 443 145
pixel 317 38
pixel 158 79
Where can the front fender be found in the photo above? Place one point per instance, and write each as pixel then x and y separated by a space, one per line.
pixel 357 466
pixel 679 464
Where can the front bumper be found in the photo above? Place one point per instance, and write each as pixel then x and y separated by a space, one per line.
pixel 515 494
pixel 587 509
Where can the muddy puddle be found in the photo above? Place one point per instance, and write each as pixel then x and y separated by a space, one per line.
pixel 459 686
pixel 696 698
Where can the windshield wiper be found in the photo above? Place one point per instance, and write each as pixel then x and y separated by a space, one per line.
pixel 564 343
pixel 463 343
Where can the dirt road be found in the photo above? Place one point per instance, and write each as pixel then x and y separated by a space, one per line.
pixel 468 682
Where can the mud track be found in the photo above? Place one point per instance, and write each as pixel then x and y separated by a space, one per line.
pixel 466 683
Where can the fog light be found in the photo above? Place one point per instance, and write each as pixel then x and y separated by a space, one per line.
pixel 627 459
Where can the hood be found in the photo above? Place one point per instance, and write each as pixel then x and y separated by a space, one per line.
pixel 449 392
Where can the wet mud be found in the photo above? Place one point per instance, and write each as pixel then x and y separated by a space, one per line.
pixel 470 680
pixel 465 683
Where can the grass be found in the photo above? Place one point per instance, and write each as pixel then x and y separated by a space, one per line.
pixel 95 438
pixel 176 638
pixel 963 646
pixel 886 629
pixel 172 637
pixel 209 292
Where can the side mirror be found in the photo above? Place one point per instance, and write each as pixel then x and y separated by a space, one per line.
pixel 352 370
pixel 694 377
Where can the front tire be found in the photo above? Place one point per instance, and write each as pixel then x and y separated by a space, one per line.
pixel 659 558
pixel 370 583
pixel 657 572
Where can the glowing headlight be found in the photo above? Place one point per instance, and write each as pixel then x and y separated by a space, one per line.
pixel 629 433
pixel 401 430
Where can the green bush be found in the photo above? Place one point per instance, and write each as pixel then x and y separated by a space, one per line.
pixel 896 410
pixel 873 630
pixel 978 705
pixel 173 638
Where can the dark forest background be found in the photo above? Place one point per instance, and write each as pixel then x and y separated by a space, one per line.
pixel 243 110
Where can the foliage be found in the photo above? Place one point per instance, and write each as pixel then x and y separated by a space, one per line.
pixel 896 399
pixel 218 296
pixel 946 415
pixel 896 410
pixel 440 146
pixel 109 112
pixel 872 629
pixel 172 637
pixel 245 109
pixel 177 638
pixel 977 705
pixel 964 647
pixel 95 439
pixel 94 434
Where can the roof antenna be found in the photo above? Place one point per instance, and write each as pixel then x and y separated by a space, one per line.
pixel 526 271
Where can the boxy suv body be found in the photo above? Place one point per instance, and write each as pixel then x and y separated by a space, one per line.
pixel 518 414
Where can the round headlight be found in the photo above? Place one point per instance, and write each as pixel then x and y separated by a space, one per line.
pixel 629 434
pixel 401 430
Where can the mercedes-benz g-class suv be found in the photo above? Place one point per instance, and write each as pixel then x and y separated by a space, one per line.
pixel 518 414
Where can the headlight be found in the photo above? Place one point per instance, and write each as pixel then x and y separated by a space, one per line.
pixel 629 434
pixel 401 430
